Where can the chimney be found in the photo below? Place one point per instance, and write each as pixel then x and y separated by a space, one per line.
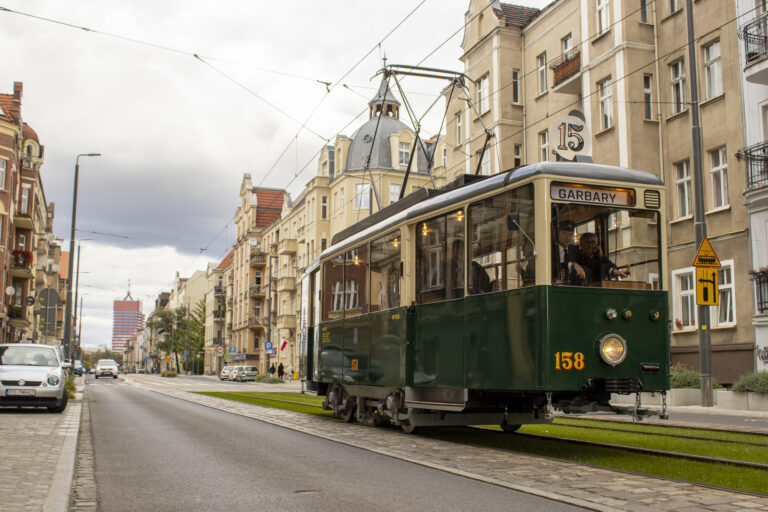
pixel 15 110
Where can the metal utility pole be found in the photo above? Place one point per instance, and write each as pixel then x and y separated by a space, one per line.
pixel 67 341
pixel 699 219
pixel 269 309
pixel 186 359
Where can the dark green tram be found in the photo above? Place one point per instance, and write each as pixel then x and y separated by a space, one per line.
pixel 495 300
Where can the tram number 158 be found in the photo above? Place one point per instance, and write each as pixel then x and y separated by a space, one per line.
pixel 569 361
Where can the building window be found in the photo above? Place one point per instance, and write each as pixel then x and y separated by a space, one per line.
pixel 362 196
pixel 394 192
pixel 351 294
pixel 458 128
pixel 515 86
pixel 405 153
pixel 683 185
pixel 567 45
pixel 713 70
pixel 3 164
pixel 518 155
pixel 606 104
pixel 603 18
pixel 337 298
pixel 24 208
pixel 544 146
pixel 677 80
pixel 445 157
pixel 485 164
pixel 644 11
pixel 648 96
pixel 724 313
pixel 324 207
pixel 684 294
pixel 719 174
pixel 673 6
pixel 483 105
pixel 542 72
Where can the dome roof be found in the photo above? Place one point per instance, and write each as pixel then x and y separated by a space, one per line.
pixel 381 158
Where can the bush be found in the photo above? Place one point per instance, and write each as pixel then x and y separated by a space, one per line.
pixel 265 379
pixel 168 373
pixel 69 385
pixel 757 382
pixel 682 378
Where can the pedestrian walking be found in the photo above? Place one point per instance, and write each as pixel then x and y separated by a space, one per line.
pixel 272 370
pixel 280 371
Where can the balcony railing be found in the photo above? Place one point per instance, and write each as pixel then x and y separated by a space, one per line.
pixel 22 258
pixel 565 66
pixel 756 159
pixel 761 290
pixel 15 311
pixel 218 315
pixel 218 341
pixel 258 257
pixel 256 289
pixel 755 35
pixel 218 290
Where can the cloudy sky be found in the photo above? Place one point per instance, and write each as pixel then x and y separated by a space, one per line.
pixel 177 133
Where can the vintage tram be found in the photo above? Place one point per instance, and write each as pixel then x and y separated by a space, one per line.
pixel 478 304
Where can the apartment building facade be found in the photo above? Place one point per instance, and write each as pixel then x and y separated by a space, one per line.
pixel 216 314
pixel 622 66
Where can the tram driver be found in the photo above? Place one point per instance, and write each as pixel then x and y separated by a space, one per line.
pixel 596 265
pixel 566 268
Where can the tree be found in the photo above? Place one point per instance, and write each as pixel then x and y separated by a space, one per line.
pixel 181 330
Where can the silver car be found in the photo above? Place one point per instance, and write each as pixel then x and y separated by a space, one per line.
pixel 32 375
pixel 106 367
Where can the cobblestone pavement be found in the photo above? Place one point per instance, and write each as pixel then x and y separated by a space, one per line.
pixel 36 458
pixel 585 486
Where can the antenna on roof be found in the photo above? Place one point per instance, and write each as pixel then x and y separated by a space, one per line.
pixel 128 295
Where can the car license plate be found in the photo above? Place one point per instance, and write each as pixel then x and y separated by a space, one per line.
pixel 19 392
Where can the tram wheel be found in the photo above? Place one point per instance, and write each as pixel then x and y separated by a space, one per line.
pixel 348 414
pixel 507 427
pixel 408 428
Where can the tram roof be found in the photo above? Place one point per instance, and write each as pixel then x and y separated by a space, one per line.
pixel 426 200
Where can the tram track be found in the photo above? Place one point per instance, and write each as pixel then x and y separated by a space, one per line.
pixel 594 444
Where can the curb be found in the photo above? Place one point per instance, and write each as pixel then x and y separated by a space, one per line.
pixel 61 486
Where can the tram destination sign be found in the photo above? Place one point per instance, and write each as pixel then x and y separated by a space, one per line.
pixel 588 194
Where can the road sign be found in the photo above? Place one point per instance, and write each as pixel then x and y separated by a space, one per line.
pixel 232 349
pixel 706 287
pixel 186 354
pixel 268 346
pixel 706 256
pixel 219 350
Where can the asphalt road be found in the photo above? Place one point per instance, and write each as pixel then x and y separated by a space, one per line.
pixel 154 452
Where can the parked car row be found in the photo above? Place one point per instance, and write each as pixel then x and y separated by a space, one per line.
pixel 33 375
pixel 239 373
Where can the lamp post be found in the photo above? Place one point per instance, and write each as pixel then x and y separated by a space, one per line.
pixel 77 286
pixel 68 309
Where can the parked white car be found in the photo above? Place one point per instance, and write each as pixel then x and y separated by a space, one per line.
pixel 32 375
pixel 106 367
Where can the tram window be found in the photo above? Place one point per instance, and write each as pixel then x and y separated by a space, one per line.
pixel 605 246
pixel 355 289
pixel 440 271
pixel 333 288
pixel 502 231
pixel 385 272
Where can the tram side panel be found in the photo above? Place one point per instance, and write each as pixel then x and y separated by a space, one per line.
pixel 331 351
pixel 437 349
pixel 576 320
pixel 388 347
pixel 504 349
pixel 355 361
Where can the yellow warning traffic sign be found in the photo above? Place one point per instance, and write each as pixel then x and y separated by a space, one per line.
pixel 706 256
pixel 706 287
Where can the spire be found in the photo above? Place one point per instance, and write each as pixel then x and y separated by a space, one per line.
pixel 128 295
pixel 390 103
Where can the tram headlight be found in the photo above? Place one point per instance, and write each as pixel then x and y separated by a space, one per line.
pixel 613 349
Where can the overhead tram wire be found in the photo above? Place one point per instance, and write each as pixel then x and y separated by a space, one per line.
pixel 335 84
pixel 626 75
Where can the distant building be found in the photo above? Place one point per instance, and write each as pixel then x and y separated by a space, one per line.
pixel 127 320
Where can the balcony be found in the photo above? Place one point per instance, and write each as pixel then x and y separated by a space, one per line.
pixel 258 258
pixel 257 290
pixel 567 73
pixel 218 291
pixel 756 160
pixel 21 264
pixel 761 290
pixel 755 36
pixel 286 284
pixel 286 322
pixel 255 322
pixel 287 246
pixel 23 219
pixel 17 316
pixel 218 316
pixel 218 340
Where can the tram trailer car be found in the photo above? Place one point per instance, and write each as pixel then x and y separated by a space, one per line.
pixel 395 323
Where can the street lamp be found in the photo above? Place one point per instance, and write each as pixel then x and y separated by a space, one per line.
pixel 77 284
pixel 68 309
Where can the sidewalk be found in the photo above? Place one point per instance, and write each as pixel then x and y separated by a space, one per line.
pixel 37 457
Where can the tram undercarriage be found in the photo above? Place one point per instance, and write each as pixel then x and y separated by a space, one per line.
pixel 413 407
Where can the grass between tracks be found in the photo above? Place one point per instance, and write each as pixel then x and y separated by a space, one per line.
pixel 721 475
